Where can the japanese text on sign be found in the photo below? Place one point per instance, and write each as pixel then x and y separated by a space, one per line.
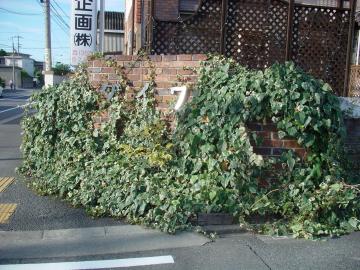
pixel 83 29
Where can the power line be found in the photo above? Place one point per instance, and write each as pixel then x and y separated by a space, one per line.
pixel 56 13
pixel 19 13
pixel 61 9
pixel 54 19
pixel 58 48
pixel 38 1
pixel 18 42
pixel 17 32
pixel 59 20
pixel 4 45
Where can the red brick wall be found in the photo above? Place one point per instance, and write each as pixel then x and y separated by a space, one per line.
pixel 138 11
pixel 170 71
pixel 147 9
pixel 270 143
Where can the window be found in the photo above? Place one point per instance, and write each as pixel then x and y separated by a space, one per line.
pixel 188 7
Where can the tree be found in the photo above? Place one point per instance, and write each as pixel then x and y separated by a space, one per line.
pixel 61 69
pixel 38 75
pixel 2 82
pixel 3 53
pixel 24 74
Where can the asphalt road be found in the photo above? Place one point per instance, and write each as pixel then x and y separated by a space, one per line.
pixel 33 212
pixel 229 252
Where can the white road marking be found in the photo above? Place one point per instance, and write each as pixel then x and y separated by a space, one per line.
pixel 17 107
pixel 131 262
pixel 14 98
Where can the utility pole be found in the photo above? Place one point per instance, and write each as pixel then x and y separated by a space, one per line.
pixel 13 64
pixel 13 58
pixel 18 43
pixel 101 26
pixel 48 64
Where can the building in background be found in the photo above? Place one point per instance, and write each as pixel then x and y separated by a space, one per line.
pixel 138 18
pixel 24 67
pixel 39 65
pixel 22 61
pixel 113 32
pixel 6 73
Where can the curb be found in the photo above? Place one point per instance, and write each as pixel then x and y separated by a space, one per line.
pixel 15 245
pixel 224 229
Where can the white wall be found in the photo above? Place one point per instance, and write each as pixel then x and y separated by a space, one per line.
pixel 350 106
pixel 52 80
pixel 25 63
pixel 28 66
pixel 7 74
pixel 128 4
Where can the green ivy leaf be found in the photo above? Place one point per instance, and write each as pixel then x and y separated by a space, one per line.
pixel 212 195
pixel 291 163
pixel 354 222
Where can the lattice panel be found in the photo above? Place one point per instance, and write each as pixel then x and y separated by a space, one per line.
pixel 319 43
pixel 199 34
pixel 256 32
pixel 354 84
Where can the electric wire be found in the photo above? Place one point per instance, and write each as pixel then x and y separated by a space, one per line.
pixel 57 48
pixel 56 13
pixel 4 45
pixel 56 20
pixel 19 13
pixel 59 24
pixel 65 14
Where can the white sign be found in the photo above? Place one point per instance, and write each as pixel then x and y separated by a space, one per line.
pixel 83 29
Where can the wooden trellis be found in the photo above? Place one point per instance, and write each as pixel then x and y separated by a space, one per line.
pixel 200 34
pixel 258 33
pixel 319 43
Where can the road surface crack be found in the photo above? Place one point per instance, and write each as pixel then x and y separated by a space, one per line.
pixel 257 255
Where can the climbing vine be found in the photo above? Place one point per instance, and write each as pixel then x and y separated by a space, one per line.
pixel 133 166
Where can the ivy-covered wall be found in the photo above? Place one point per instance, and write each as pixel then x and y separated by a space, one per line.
pixel 135 167
pixel 170 70
pixel 174 70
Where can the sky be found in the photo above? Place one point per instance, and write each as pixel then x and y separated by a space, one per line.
pixel 30 26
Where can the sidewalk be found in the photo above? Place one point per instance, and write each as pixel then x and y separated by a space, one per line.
pixel 50 244
pixel 189 250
